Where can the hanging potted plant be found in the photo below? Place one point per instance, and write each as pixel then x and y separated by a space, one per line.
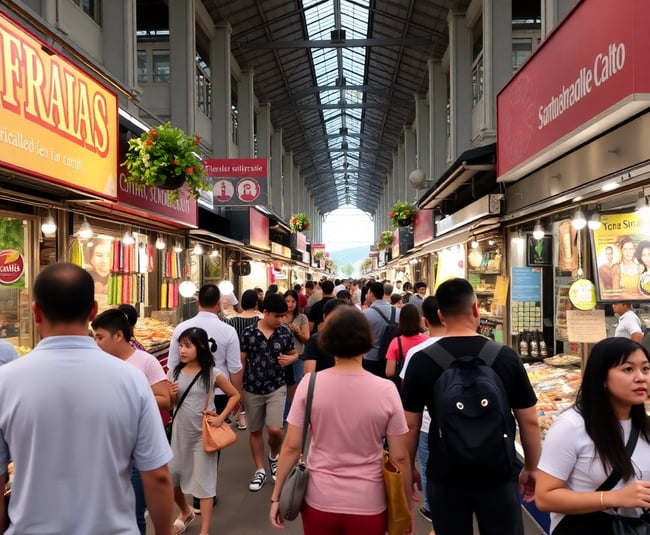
pixel 366 264
pixel 299 222
pixel 402 214
pixel 329 265
pixel 166 157
pixel 319 254
pixel 386 238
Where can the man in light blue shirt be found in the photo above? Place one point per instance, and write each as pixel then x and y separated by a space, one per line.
pixel 74 420
pixel 372 361
pixel 7 352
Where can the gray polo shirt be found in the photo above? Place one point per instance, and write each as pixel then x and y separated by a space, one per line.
pixel 378 324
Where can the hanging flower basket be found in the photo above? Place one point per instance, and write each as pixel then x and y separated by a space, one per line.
pixel 299 222
pixel 402 214
pixel 319 254
pixel 165 157
pixel 386 238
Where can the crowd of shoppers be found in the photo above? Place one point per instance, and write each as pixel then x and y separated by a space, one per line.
pixel 258 355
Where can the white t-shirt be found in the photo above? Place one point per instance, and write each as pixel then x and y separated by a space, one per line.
pixel 628 324
pixel 426 419
pixel 569 454
pixel 76 420
pixel 227 357
pixel 149 365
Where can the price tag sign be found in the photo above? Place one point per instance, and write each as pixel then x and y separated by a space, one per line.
pixel 586 326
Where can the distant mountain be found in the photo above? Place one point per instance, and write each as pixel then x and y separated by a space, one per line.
pixel 353 255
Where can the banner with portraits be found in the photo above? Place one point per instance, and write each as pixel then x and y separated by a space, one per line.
pixel 621 256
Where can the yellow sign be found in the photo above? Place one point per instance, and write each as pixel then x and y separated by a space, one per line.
pixel 582 294
pixel 56 122
pixel 500 291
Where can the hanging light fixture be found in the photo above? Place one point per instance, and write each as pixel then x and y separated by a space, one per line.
pixel 128 238
pixel 160 243
pixel 594 221
pixel 473 243
pixel 579 220
pixel 641 207
pixel 538 231
pixel 198 250
pixel 178 248
pixel 48 227
pixel 214 253
pixel 85 230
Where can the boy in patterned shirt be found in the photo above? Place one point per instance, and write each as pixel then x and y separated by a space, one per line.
pixel 266 348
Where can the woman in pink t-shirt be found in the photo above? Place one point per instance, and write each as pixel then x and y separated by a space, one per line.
pixel 410 332
pixel 352 411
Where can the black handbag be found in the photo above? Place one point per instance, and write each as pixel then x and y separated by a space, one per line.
pixel 601 523
pixel 170 424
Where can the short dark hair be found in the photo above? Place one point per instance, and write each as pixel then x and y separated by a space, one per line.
pixel 209 295
pixel 130 312
pixel 113 320
pixel 274 303
pixel 420 284
pixel 309 284
pixel 455 297
pixel 64 293
pixel 327 286
pixel 346 334
pixel 343 294
pixel 395 298
pixel 249 300
pixel 331 304
pixel 297 287
pixel 376 289
pixel 430 311
pixel 410 321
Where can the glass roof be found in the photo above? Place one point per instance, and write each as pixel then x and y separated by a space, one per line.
pixel 330 66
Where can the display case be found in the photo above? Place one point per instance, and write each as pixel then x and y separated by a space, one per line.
pixel 484 270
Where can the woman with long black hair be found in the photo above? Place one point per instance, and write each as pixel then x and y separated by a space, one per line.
pixel 588 441
pixel 193 470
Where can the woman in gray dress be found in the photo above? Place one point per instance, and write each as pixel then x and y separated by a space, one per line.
pixel 193 470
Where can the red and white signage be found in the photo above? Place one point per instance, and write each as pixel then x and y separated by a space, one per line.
pixel 588 76
pixel 238 181
pixel 12 266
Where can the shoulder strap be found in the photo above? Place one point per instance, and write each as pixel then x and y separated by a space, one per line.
pixel 489 352
pixel 384 317
pixel 439 355
pixel 401 351
pixel 305 427
pixel 187 391
pixel 614 477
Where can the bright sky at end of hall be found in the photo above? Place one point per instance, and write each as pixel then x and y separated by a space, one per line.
pixel 347 227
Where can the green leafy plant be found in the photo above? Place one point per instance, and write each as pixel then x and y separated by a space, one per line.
pixel 366 264
pixel 386 238
pixel 164 153
pixel 402 214
pixel 319 254
pixel 299 222
pixel 329 264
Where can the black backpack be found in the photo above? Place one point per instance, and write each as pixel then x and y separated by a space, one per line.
pixel 472 430
pixel 390 332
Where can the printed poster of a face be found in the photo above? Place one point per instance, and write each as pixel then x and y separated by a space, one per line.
pixel 621 256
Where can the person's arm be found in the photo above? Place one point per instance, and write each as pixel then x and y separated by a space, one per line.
pixel 637 337
pixel 289 455
pixel 229 389
pixel 531 442
pixel 301 332
pixel 161 392
pixel 391 358
pixel 310 366
pixel 552 495
pixel 414 422
pixel 159 496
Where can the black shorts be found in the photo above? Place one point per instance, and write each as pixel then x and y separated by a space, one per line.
pixel 288 375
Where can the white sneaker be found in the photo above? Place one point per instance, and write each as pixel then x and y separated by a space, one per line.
pixel 258 480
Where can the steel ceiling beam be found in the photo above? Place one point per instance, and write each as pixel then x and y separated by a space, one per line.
pixel 416 42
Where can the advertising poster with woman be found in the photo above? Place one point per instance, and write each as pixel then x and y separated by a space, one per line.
pixel 621 250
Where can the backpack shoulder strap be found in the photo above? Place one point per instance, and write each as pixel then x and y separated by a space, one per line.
pixel 489 352
pixel 393 312
pixel 439 355
pixel 384 315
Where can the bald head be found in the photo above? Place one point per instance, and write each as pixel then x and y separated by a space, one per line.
pixel 64 294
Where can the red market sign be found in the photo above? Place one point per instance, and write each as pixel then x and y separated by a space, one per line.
pixel 12 266
pixel 238 181
pixel 588 76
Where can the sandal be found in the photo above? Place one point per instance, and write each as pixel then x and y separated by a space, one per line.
pixel 180 525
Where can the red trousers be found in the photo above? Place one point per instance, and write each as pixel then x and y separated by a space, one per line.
pixel 315 522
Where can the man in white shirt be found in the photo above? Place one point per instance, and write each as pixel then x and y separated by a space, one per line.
pixel 7 352
pixel 629 324
pixel 436 332
pixel 75 420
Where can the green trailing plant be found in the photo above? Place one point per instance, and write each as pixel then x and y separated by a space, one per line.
pixel 386 238
pixel 319 254
pixel 163 153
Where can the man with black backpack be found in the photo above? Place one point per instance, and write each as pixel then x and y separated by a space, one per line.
pixel 471 387
pixel 383 318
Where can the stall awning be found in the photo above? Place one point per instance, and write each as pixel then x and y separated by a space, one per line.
pixel 466 166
